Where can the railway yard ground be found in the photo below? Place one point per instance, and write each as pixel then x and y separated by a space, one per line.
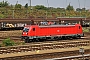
pixel 47 50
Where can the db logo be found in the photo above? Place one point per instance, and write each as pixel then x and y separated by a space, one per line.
pixel 58 30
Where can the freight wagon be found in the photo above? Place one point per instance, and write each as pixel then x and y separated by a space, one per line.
pixel 20 23
pixel 38 33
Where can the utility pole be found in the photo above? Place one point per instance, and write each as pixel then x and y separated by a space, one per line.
pixel 79 7
pixel 30 7
pixel 47 11
pixel 69 8
pixel 30 4
pixel 66 5
pixel 13 14
pixel 85 12
pixel 84 8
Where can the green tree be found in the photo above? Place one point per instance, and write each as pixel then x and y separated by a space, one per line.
pixel 26 5
pixel 4 4
pixel 60 9
pixel 69 7
pixel 40 7
pixel 18 6
pixel 83 9
pixel 78 9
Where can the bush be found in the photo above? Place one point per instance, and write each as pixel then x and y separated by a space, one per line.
pixel 8 42
pixel 85 30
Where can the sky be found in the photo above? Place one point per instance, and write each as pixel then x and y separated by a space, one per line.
pixel 53 3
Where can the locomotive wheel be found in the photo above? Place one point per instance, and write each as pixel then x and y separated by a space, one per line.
pixel 64 37
pixel 37 39
pixel 79 37
pixel 56 38
pixel 34 40
pixel 30 40
pixel 52 38
pixel 71 38
pixel 27 40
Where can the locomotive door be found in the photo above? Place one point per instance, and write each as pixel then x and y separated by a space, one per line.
pixel 34 31
pixel 78 29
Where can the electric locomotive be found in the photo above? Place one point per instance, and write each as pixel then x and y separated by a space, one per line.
pixel 36 32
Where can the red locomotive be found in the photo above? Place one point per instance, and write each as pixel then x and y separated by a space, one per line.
pixel 35 32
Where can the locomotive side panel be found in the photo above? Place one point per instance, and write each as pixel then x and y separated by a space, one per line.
pixel 58 30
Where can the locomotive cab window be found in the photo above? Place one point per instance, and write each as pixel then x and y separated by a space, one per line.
pixel 33 29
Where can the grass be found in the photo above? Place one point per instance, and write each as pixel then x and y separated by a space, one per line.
pixel 85 29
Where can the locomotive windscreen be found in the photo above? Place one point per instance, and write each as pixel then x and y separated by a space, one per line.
pixel 26 29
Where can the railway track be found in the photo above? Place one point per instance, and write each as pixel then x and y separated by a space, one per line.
pixel 46 54
pixel 43 46
pixel 13 35
pixel 13 38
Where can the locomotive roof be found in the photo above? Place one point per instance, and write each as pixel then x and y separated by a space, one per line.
pixel 57 26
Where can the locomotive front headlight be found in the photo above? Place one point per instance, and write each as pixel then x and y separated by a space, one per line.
pixel 26 33
pixel 23 33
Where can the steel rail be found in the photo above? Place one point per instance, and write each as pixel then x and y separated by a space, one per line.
pixel 70 57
